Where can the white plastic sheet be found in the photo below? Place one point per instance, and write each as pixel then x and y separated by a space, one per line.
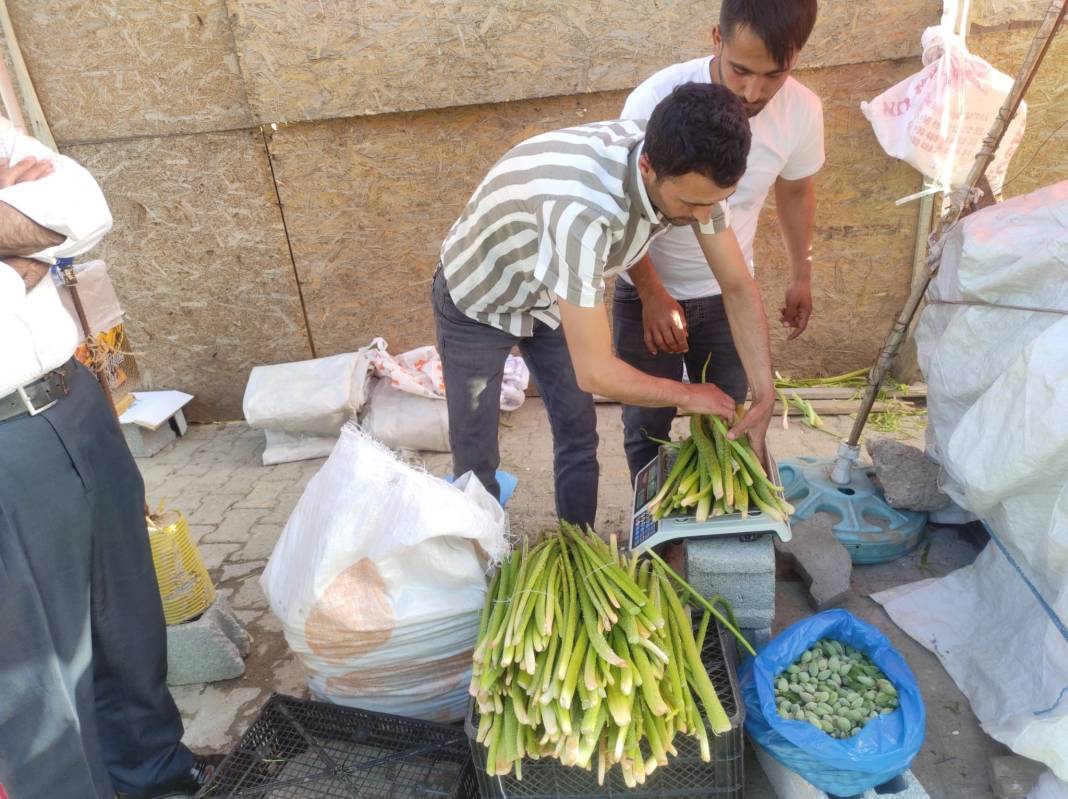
pixel 997 381
pixel 379 579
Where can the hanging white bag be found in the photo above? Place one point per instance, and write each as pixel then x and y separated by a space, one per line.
pixel 936 120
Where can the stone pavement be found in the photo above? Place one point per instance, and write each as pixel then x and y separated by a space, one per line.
pixel 237 509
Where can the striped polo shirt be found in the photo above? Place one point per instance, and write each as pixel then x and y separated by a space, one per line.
pixel 558 214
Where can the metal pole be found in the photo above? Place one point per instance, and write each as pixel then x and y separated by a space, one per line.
pixel 849 451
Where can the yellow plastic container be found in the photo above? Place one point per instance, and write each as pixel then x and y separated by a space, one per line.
pixel 184 584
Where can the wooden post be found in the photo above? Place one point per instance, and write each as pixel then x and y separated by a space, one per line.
pixel 38 124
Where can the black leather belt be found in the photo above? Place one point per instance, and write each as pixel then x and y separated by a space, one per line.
pixel 32 398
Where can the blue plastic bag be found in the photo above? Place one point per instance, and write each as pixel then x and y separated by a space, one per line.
pixel 880 751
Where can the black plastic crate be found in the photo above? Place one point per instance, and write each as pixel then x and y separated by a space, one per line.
pixel 685 776
pixel 298 749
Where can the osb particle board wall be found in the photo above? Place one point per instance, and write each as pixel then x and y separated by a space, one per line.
pixel 862 249
pixel 1042 157
pixel 111 69
pixel 199 258
pixel 366 220
pixel 367 202
pixel 298 58
pixel 367 198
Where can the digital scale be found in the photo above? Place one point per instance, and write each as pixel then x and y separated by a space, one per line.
pixel 646 532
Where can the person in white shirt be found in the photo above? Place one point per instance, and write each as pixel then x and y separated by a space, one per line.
pixel 84 707
pixel 668 309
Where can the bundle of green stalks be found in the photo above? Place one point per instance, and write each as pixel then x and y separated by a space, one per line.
pixel 714 475
pixel 589 656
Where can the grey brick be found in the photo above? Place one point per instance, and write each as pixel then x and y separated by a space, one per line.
pixel 757 637
pixel 208 649
pixel 728 555
pixel 213 555
pixel 236 525
pixel 262 536
pixel 287 472
pixel 233 571
pixel 262 495
pixel 817 556
pixel 283 509
pixel 242 480
pixel 212 508
pixel 250 594
pixel 145 443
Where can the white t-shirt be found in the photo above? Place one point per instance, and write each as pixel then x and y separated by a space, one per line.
pixel 787 142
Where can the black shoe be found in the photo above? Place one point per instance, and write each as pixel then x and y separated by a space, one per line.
pixel 199 775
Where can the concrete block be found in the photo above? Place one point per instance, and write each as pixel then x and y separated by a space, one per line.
pixel 755 618
pixel 208 649
pixel 788 784
pixel 756 637
pixel 909 478
pixel 729 555
pixel 145 443
pixel 819 559
pixel 745 592
pixel 742 572
pixel 1013 776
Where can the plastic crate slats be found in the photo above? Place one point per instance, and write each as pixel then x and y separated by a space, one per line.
pixel 685 777
pixel 313 750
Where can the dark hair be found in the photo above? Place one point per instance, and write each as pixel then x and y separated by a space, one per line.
pixel 699 127
pixel 783 25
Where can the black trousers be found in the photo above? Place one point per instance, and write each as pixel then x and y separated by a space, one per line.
pixel 708 334
pixel 472 358
pixel 84 707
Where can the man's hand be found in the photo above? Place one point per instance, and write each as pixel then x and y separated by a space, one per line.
pixel 755 424
pixel 708 398
pixel 24 171
pixel 664 323
pixel 29 270
pixel 797 307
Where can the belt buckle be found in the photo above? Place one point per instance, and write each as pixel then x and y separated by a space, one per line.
pixel 30 407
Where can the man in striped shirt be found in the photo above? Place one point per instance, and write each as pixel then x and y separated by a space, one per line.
pixel 529 255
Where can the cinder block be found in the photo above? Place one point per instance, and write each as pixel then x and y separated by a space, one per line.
pixel 730 555
pixel 742 572
pixel 789 784
pixel 819 558
pixel 145 443
pixel 208 649
pixel 756 637
pixel 1013 776
pixel 749 594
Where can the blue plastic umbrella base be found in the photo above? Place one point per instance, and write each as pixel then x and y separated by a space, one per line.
pixel 870 529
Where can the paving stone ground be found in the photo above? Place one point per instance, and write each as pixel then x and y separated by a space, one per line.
pixel 237 509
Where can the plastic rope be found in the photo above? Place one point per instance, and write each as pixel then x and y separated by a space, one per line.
pixel 982 303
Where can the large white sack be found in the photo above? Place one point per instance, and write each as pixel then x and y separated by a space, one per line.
pixel 314 397
pixel 402 420
pixel 993 347
pixel 379 578
pixel 1003 652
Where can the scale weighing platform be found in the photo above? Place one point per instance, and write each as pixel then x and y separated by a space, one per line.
pixel 648 532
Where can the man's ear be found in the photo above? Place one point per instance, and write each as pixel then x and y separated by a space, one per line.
pixel 717 40
pixel 645 166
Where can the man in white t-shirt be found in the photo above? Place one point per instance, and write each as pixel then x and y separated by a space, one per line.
pixel 668 309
